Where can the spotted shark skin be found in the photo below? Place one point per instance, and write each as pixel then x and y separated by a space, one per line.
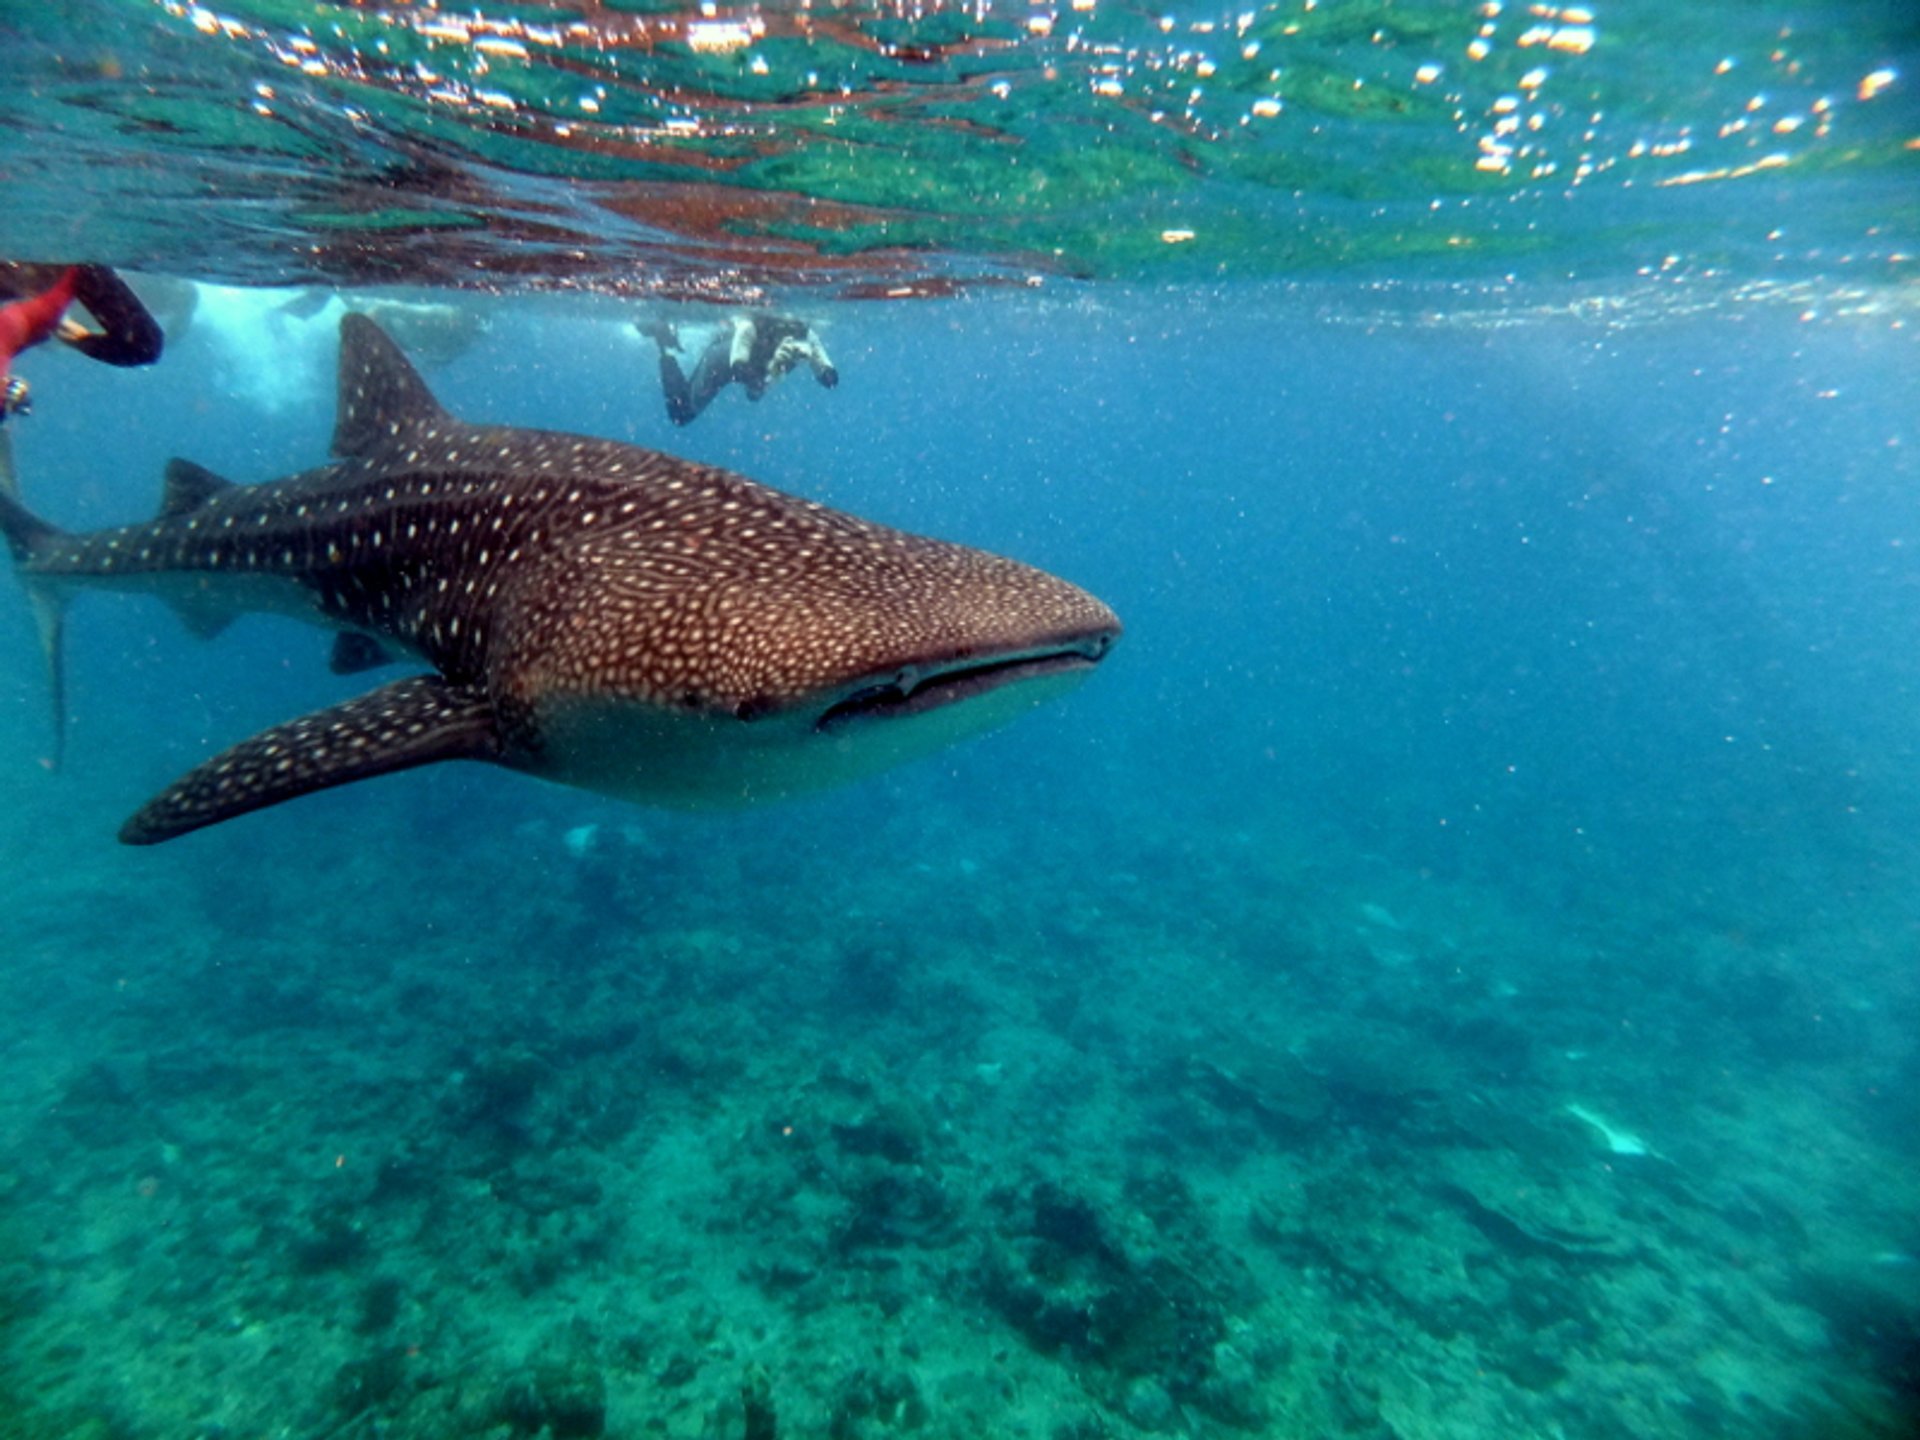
pixel 593 613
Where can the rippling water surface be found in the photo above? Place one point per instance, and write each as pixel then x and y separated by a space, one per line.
pixel 874 147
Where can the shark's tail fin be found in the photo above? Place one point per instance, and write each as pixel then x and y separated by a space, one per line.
pixel 26 534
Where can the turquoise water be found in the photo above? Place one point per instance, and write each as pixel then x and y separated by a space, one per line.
pixel 1449 974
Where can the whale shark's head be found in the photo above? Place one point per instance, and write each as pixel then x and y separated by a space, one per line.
pixel 794 647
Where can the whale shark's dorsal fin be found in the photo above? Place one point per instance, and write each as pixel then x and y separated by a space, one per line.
pixel 187 487
pixel 382 396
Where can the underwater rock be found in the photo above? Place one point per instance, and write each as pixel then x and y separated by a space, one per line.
pixel 778 1277
pixel 379 1305
pixel 1353 1399
pixel 890 1130
pixel 1529 1367
pixel 1892 1107
pixel 890 1211
pixel 99 1109
pixel 1149 1406
pixel 1871 1312
pixel 1489 1045
pixel 1532 1208
pixel 1069 1283
pixel 498 1088
pixel 756 1404
pixel 1232 1392
pixel 867 982
pixel 361 1385
pixel 540 1192
pixel 869 1159
pixel 1786 1017
pixel 334 1238
pixel 410 1171
pixel 891 1401
pixel 1525 1232
pixel 565 1396
pixel 1381 1075
pixel 28 1289
pixel 1273 1089
pixel 682 1368
pixel 1070 1222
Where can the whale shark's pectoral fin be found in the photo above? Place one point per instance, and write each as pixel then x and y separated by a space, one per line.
pixel 417 721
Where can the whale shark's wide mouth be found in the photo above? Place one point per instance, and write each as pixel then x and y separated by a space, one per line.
pixel 915 692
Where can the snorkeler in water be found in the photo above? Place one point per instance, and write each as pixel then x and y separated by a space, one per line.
pixel 749 351
pixel 38 298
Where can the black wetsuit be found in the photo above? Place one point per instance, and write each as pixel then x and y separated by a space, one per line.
pixel 755 372
pixel 755 375
pixel 712 374
pixel 128 334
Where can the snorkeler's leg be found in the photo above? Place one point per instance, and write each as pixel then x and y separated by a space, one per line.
pixel 712 374
pixel 673 380
pixel 20 279
pixel 663 333
pixel 129 335
pixel 673 385
pixel 25 323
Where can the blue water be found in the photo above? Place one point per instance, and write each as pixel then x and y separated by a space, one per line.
pixel 1448 974
pixel 1557 590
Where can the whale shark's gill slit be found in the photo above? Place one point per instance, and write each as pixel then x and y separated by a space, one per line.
pixel 872 698
pixel 891 700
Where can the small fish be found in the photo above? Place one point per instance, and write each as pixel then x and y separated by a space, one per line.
pixel 594 613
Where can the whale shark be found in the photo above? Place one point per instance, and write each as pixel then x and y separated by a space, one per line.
pixel 588 612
